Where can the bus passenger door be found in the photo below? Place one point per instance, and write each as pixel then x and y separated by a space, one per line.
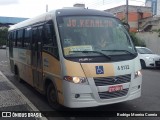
pixel 10 50
pixel 37 69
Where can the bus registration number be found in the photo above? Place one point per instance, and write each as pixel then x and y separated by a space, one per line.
pixel 115 88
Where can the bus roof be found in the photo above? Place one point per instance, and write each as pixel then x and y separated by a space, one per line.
pixel 60 12
pixel 82 11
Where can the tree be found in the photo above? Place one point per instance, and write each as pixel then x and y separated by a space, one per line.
pixel 136 40
pixel 3 36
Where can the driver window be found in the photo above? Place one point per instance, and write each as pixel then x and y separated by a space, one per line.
pixel 49 40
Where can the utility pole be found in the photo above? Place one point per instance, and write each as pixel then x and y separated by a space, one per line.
pixel 46 7
pixel 126 11
pixel 139 12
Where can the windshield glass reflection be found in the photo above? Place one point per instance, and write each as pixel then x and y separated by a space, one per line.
pixel 91 33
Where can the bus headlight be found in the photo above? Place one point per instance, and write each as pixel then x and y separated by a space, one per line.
pixel 137 74
pixel 76 80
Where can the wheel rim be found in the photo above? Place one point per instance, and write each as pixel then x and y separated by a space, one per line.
pixel 52 95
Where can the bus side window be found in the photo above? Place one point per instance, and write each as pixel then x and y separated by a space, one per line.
pixel 49 40
pixel 9 41
pixel 34 38
pixel 10 44
pixel 14 39
pixel 27 38
pixel 20 38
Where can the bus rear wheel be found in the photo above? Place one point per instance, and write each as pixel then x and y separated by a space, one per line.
pixel 16 73
pixel 52 97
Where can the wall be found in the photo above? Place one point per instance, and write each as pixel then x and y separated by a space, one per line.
pixel 151 39
pixel 132 19
pixel 133 14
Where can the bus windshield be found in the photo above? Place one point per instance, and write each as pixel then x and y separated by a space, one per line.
pixel 93 36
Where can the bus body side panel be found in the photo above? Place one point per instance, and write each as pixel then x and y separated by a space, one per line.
pixel 22 59
pixel 96 92
pixel 52 71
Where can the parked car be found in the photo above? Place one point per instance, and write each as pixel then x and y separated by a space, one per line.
pixel 148 58
pixel 3 46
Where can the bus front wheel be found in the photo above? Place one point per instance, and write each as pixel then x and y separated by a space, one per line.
pixel 52 97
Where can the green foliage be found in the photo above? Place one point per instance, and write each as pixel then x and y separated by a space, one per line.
pixel 3 36
pixel 158 32
pixel 136 40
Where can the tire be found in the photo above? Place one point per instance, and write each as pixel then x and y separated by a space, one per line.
pixel 16 73
pixel 52 97
pixel 143 64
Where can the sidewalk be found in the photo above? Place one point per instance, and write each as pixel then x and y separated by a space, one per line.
pixel 14 105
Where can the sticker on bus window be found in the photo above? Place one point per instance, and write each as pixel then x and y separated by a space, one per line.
pixel 99 70
pixel 68 50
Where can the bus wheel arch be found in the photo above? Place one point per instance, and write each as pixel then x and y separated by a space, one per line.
pixel 52 94
pixel 143 64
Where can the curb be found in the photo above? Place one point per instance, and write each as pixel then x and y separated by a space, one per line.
pixel 23 97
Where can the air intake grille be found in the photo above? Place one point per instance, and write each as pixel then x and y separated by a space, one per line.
pixel 103 81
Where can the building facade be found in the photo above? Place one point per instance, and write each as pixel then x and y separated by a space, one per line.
pixel 158 7
pixel 155 6
pixel 135 13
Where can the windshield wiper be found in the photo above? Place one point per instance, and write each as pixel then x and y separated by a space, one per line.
pixel 107 56
pixel 121 51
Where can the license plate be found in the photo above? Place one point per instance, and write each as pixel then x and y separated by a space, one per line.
pixel 115 88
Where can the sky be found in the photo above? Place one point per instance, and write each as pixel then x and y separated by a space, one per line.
pixel 32 8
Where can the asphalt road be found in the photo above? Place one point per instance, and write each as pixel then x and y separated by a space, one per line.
pixel 149 101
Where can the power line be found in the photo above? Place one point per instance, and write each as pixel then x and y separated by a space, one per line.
pixel 137 1
pixel 101 3
pixel 96 2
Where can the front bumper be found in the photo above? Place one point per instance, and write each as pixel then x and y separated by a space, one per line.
pixel 89 97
